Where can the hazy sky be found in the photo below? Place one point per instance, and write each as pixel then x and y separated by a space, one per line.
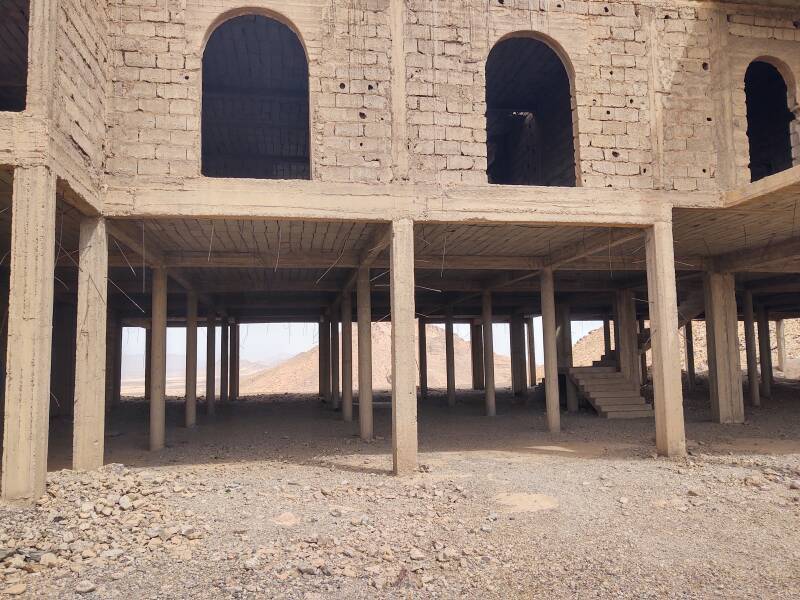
pixel 264 343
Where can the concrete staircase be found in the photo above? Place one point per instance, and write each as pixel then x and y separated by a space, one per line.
pixel 610 393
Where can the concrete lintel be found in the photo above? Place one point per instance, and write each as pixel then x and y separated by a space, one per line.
pixel 316 200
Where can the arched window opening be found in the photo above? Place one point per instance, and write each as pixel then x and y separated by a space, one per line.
pixel 768 120
pixel 13 54
pixel 255 121
pixel 530 137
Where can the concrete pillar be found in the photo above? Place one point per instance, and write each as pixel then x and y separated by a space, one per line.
pixel 325 358
pixel 211 367
pixel 531 352
pixel 449 353
pixel 112 321
pixel 364 308
pixel 728 404
pixel 347 357
pixel 628 344
pixel 488 354
pixel 334 363
pixel 191 360
pixel 664 342
pixel 90 355
pixel 564 345
pixel 235 362
pixel 690 373
pixel 606 336
pixel 764 351
pixel 780 335
pixel 552 396
pixel 422 340
pixel 642 354
pixel 30 322
pixel 158 358
pixel 116 396
pixel 476 350
pixel 224 360
pixel 519 373
pixel 404 393
pixel 750 348
pixel 148 346
pixel 710 337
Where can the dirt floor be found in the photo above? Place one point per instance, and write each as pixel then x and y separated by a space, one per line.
pixel 279 498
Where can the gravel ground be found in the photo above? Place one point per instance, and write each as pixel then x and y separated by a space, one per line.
pixel 278 498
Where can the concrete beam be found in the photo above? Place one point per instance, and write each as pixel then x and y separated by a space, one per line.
pixel 318 200
pixel 755 259
pixel 90 366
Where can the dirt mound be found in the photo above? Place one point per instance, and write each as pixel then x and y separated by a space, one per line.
pixel 299 374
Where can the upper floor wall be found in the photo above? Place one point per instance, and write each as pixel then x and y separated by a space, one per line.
pixel 657 86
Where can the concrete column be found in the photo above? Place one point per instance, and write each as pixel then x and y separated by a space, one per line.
pixel 642 355
pixel 628 345
pixel 488 354
pixel 334 363
pixel 158 356
pixel 224 360
pixel 690 355
pixel 531 352
pixel 476 350
pixel 449 353
pixel 235 362
pixel 112 321
pixel 404 392
pixel 90 355
pixel 710 337
pixel 148 346
pixel 321 357
pixel 422 339
pixel 764 351
pixel 607 336
pixel 664 342
pixel 728 404
pixel 347 356
pixel 552 396
pixel 564 345
pixel 780 335
pixel 191 359
pixel 325 358
pixel 750 349
pixel 211 367
pixel 364 353
pixel 116 397
pixel 30 323
pixel 519 373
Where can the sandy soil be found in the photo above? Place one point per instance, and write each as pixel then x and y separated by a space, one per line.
pixel 289 503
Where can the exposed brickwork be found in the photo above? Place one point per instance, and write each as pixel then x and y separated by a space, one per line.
pixel 646 103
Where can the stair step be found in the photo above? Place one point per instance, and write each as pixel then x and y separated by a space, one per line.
pixel 618 401
pixel 612 393
pixel 592 369
pixel 632 414
pixel 615 407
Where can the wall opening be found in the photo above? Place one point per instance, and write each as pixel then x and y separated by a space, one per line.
pixel 768 120
pixel 255 118
pixel 13 54
pixel 529 120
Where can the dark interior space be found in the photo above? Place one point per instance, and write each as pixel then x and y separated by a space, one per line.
pixel 13 54
pixel 255 121
pixel 529 115
pixel 768 119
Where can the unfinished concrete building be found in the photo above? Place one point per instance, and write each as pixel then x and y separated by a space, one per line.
pixel 207 163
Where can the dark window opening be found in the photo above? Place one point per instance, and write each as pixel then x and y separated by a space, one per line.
pixel 768 121
pixel 13 54
pixel 255 121
pixel 530 138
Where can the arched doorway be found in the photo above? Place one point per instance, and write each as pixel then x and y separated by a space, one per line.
pixel 768 120
pixel 255 120
pixel 530 134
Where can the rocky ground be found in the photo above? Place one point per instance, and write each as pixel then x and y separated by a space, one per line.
pixel 279 499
